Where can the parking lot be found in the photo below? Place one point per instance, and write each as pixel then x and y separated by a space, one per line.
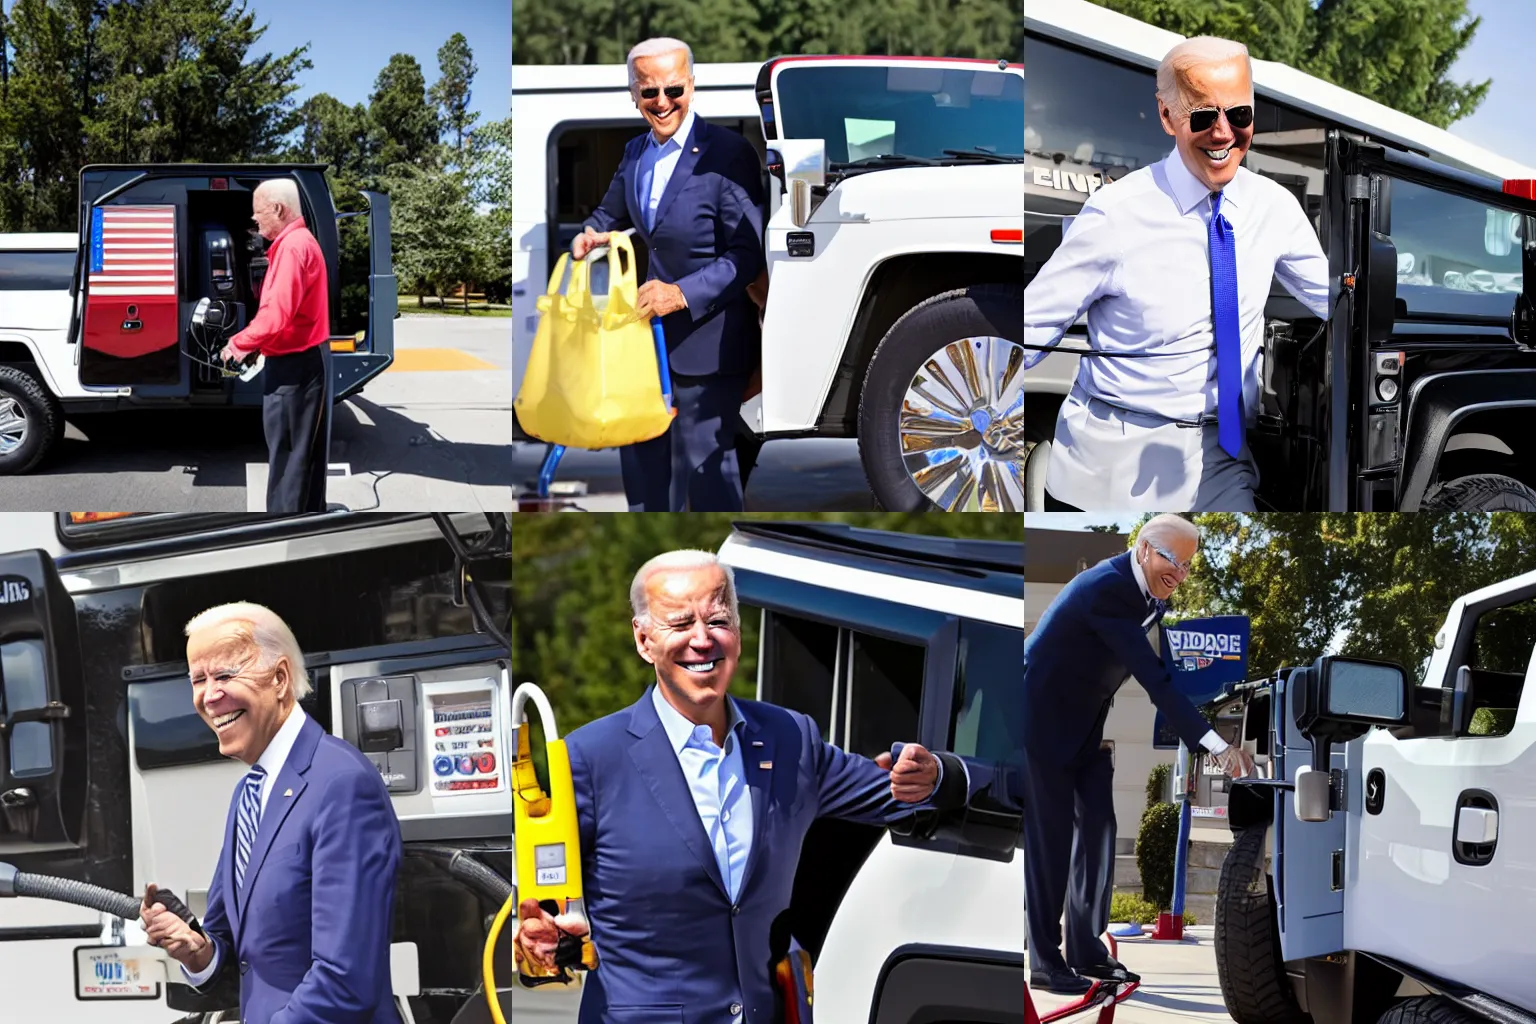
pixel 432 432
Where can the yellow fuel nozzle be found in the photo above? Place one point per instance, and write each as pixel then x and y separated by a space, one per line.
pixel 547 839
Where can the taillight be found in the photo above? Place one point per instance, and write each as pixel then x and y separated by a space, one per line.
pixel 1015 235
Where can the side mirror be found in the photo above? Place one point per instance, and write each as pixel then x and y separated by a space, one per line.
pixel 1340 699
pixel 1381 290
pixel 41 689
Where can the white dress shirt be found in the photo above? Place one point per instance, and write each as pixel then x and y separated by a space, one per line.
pixel 272 761
pixel 1137 259
pixel 661 158
pixel 1211 741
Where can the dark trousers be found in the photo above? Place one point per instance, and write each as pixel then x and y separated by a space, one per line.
pixel 1069 858
pixel 296 416
pixel 693 465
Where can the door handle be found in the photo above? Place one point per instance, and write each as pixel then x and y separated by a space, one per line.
pixel 1475 833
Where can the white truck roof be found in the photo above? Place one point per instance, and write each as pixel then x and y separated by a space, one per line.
pixel 546 78
pixel 1105 31
pixel 39 240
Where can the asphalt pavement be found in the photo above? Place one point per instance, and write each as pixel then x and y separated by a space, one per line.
pixel 431 433
pixel 801 475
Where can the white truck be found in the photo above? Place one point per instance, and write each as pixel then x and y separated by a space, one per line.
pixel 1381 867
pixel 894 245
pixel 104 319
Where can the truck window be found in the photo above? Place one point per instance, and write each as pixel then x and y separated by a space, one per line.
pixel 167 730
pixel 22 688
pixel 1498 656
pixel 886 690
pixel 1455 255
pixel 989 717
pixel 36 270
pixel 799 662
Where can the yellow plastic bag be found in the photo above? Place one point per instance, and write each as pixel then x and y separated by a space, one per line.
pixel 592 379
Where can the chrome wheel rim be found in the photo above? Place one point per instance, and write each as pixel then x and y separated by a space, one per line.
pixel 961 426
pixel 13 425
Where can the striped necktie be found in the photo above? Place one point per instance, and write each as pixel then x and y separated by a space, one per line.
pixel 246 821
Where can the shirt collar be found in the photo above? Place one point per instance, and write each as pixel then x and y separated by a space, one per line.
pixel 1189 191
pixel 276 755
pixel 679 137
pixel 1141 579
pixel 292 225
pixel 679 729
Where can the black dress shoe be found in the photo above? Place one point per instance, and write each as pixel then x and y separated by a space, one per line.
pixel 1108 970
pixel 1066 983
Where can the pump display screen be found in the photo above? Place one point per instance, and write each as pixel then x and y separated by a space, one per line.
pixel 463 743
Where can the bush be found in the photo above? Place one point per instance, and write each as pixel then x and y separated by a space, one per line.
pixel 1156 846
pixel 1132 909
pixel 1157 783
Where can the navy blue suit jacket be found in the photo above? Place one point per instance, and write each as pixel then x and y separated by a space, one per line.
pixel 707 240
pixel 1090 638
pixel 310 932
pixel 672 947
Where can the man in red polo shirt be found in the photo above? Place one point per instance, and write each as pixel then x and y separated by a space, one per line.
pixel 291 329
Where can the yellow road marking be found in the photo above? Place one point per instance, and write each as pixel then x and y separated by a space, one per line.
pixel 411 360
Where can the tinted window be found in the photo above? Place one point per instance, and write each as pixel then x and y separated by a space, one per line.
pixel 167 730
pixel 1498 656
pixel 989 713
pixel 1454 254
pixel 911 111
pixel 23 673
pixel 886 687
pixel 36 271
pixel 799 658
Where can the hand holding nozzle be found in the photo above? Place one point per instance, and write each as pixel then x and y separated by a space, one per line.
pixel 545 945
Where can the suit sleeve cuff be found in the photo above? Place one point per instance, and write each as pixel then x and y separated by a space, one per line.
pixel 202 977
pixel 1213 742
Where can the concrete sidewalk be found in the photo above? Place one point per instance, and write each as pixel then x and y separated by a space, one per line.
pixel 1178 979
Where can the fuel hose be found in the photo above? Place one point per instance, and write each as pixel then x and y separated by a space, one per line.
pixel 67 890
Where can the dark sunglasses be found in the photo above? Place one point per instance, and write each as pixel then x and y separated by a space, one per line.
pixel 673 92
pixel 1204 119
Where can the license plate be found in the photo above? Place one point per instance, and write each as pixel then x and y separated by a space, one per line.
pixel 114 972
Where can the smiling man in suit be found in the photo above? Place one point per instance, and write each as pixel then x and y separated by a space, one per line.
pixel 694 193
pixel 692 808
pixel 302 899
pixel 1091 637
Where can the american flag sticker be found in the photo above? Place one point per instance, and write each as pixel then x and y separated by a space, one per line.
pixel 133 250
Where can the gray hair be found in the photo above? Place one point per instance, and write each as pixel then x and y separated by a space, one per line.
pixel 682 559
pixel 1191 53
pixel 1166 526
pixel 655 48
pixel 281 190
pixel 269 632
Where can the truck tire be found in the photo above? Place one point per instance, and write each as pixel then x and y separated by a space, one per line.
pixel 23 394
pixel 1430 1010
pixel 980 328
pixel 1247 939
pixel 1481 492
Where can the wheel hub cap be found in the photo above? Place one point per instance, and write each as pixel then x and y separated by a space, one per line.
pixel 962 426
pixel 13 425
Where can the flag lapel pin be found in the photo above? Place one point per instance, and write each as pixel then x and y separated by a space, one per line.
pixel 765 765
pixel 287 792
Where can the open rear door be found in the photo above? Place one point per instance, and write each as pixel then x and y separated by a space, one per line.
pixel 362 347
pixel 128 319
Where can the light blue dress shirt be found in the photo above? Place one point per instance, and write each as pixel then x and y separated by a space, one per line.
pixel 1137 260
pixel 660 159
pixel 718 784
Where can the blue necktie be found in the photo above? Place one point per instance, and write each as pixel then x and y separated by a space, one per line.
pixel 246 820
pixel 1229 348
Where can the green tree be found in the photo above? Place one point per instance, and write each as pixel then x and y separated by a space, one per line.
pixel 330 132
pixel 451 91
pixel 1398 52
pixel 405 124
pixel 435 231
pixel 571 613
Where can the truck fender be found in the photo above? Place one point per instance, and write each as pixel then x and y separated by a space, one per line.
pixel 43 370
pixel 1437 403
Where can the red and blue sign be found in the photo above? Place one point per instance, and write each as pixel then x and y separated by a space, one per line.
pixel 1204 656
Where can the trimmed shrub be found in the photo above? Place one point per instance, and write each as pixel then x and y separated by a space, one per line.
pixel 1156 846
pixel 1157 783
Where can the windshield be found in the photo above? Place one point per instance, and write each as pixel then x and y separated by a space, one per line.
pixel 874 110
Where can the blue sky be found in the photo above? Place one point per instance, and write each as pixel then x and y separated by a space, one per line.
pixel 1501 50
pixel 1080 521
pixel 351 41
